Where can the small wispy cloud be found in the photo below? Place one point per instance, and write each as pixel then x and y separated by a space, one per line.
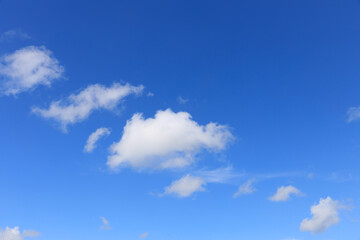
pixel 353 114
pixel 30 233
pixel 268 176
pixel 246 189
pixel 14 34
pixel 310 175
pixel 340 178
pixel 144 235
pixel 106 225
pixel 94 137
pixel 182 100
pixel 219 175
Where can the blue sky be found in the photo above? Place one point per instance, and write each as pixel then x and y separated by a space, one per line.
pixel 179 120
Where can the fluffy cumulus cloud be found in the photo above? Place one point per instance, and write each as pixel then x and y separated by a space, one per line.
pixel 15 234
pixel 324 214
pixel 94 137
pixel 185 186
pixel 169 140
pixel 283 193
pixel 353 114
pixel 78 107
pixel 245 189
pixel 27 68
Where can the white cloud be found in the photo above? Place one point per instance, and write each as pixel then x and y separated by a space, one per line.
pixel 94 137
pixel 78 107
pixel 106 225
pixel 15 234
pixel 185 186
pixel 27 68
pixel 283 193
pixel 246 188
pixel 144 235
pixel 323 214
pixel 169 140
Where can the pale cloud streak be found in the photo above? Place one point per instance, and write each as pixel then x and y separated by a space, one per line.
pixel 283 193
pixel 77 107
pixel 28 68
pixel 14 34
pixel 144 235
pixel 106 225
pixel 94 137
pixel 169 140
pixel 15 234
pixel 185 186
pixel 324 214
pixel 353 114
pixel 219 175
pixel 182 100
pixel 245 189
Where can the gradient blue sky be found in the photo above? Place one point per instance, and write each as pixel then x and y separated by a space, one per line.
pixel 281 75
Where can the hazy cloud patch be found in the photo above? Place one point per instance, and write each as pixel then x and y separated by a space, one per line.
pixel 14 34
pixel 15 234
pixel 106 225
pixel 144 235
pixel 246 189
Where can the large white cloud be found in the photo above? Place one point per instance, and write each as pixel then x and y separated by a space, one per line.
pixel 185 186
pixel 94 137
pixel 324 215
pixel 78 107
pixel 283 193
pixel 15 234
pixel 27 68
pixel 169 140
